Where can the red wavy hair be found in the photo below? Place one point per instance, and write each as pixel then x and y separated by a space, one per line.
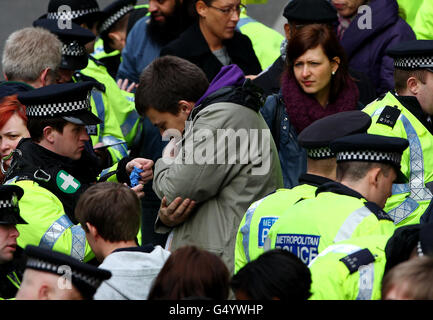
pixel 10 105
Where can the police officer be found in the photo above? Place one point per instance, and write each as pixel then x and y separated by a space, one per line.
pixel 321 167
pixel 53 168
pixel 75 57
pixel 114 106
pixel 354 269
pixel 350 269
pixel 406 113
pixel 367 165
pixel 118 18
pixel 51 275
pixel 11 256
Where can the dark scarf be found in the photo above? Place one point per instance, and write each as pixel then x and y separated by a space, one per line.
pixel 303 109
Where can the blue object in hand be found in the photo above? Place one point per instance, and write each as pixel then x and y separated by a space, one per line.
pixel 134 177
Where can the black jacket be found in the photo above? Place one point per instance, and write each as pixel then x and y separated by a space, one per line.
pixel 192 46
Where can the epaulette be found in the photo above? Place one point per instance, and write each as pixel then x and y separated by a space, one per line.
pixel 389 116
pixel 81 77
pixel 357 259
pixel 377 211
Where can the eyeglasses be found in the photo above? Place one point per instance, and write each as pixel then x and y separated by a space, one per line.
pixel 229 11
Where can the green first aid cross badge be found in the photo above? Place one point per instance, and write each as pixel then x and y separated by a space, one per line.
pixel 66 182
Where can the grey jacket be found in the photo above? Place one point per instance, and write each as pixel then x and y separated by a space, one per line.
pixel 223 191
pixel 132 274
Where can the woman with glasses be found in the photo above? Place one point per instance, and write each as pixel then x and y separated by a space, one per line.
pixel 213 41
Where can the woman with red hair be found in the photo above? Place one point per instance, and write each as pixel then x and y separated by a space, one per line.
pixel 13 127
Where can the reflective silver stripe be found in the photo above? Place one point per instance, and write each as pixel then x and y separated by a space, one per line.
pixel 55 231
pixel 245 229
pixel 129 123
pixel 351 223
pixel 416 185
pixel 366 281
pixel 78 242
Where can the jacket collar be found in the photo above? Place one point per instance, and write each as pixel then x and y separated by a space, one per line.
pixel 194 44
pixel 338 188
pixel 413 106
pixel 313 180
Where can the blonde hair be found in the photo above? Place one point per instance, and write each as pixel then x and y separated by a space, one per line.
pixel 28 52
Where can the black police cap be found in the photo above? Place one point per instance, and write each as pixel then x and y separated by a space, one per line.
pixel 85 277
pixel 73 10
pixel 110 15
pixel 317 136
pixel 74 39
pixel 405 239
pixel 414 54
pixel 311 11
pixel 9 210
pixel 371 148
pixel 401 244
pixel 70 101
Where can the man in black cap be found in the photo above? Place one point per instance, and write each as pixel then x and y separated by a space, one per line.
pixel 75 57
pixel 367 166
pixel 299 13
pixel 118 18
pixel 115 107
pixel 406 112
pixel 51 275
pixel 11 257
pixel 85 13
pixel 321 168
pixel 54 170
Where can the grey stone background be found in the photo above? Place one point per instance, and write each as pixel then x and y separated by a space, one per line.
pixel 17 14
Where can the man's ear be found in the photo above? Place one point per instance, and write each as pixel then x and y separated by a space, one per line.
pixel 49 134
pixel 44 292
pixel 92 230
pixel 287 30
pixel 185 106
pixel 373 176
pixel 412 85
pixel 43 77
pixel 6 78
pixel 201 8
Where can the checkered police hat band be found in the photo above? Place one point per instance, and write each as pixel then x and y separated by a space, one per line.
pixel 113 18
pixel 414 62
pixel 50 109
pixel 320 153
pixel 6 204
pixel 70 15
pixel 373 156
pixel 73 49
pixel 39 264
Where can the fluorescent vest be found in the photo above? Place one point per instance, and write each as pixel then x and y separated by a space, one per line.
pixel 260 217
pixel 310 226
pixel 332 279
pixel 408 201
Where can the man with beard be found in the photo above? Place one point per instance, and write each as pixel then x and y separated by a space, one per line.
pixel 167 19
